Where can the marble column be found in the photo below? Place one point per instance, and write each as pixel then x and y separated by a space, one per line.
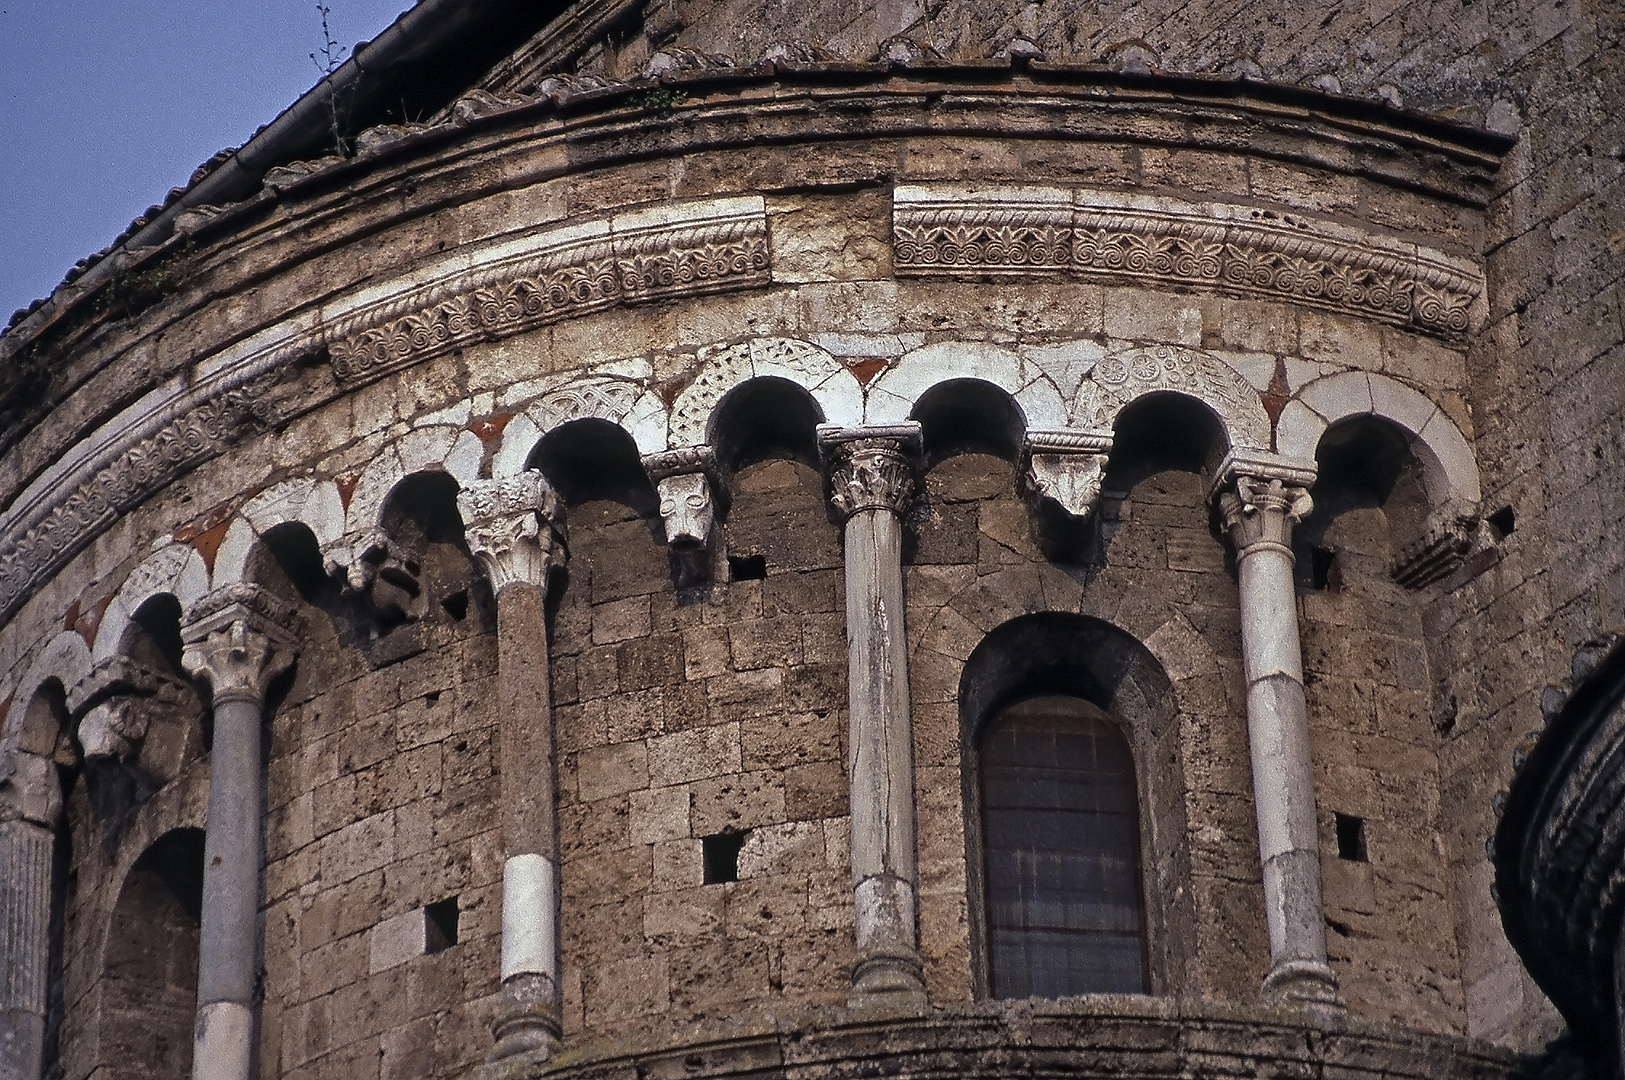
pixel 514 527
pixel 238 640
pixel 871 486
pixel 1261 498
pixel 30 807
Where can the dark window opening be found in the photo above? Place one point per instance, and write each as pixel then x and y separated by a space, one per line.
pixel 747 567
pixel 1503 521
pixel 440 926
pixel 1350 837
pixel 456 604
pixel 1060 818
pixel 1323 569
pixel 721 854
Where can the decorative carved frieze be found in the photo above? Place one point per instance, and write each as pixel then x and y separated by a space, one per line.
pixel 62 520
pixel 1065 468
pixel 238 639
pixel 571 270
pixel 949 229
pixel 871 468
pixel 1121 377
pixel 514 527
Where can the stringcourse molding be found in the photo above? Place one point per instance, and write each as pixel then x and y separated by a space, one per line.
pixel 955 229
pixel 684 250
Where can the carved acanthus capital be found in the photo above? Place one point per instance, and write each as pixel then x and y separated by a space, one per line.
pixel 871 468
pixel 514 527
pixel 1066 468
pixel 684 479
pixel 238 639
pixel 1261 496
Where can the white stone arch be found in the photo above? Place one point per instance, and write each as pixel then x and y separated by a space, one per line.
pixel 314 503
pixel 65 658
pixel 176 569
pixel 893 396
pixel 623 402
pixel 1449 470
pixel 836 390
pixel 452 450
pixel 1120 378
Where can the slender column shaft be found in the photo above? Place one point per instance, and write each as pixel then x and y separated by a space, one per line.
pixel 514 528
pixel 1260 515
pixel 237 641
pixel 25 944
pixel 233 857
pixel 872 484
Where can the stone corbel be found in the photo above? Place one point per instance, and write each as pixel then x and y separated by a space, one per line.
pixel 369 569
pixel 1064 469
pixel 686 480
pixel 1445 545
pixel 514 527
pixel 117 702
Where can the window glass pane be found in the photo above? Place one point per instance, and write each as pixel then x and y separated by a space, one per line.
pixel 1060 819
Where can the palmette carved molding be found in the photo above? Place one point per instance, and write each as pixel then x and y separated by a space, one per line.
pixel 570 271
pixel 951 229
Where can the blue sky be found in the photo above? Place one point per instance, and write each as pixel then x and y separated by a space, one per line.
pixel 107 104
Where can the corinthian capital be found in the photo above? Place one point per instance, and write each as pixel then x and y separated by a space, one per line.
pixel 238 639
pixel 871 468
pixel 1260 497
pixel 515 528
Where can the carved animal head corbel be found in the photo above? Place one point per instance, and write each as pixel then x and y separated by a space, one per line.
pixel 686 481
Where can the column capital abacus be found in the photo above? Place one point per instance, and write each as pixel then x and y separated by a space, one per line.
pixel 1261 497
pixel 514 526
pixel 871 468
pixel 238 639
pixel 1066 468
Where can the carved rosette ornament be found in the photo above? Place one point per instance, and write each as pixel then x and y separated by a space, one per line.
pixel 514 527
pixel 684 479
pixel 238 639
pixel 1065 469
pixel 871 468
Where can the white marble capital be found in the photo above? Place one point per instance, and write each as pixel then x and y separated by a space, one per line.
pixel 238 640
pixel 514 526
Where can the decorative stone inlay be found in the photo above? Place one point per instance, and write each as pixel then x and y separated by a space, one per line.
pixel 238 639
pixel 656 254
pixel 722 369
pixel 515 528
pixel 1066 468
pixel 1121 377
pixel 684 480
pixel 954 229
pixel 871 468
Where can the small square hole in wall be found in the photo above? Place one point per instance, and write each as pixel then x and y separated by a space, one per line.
pixel 1503 521
pixel 721 854
pixel 1350 837
pixel 747 567
pixel 440 926
pixel 1323 569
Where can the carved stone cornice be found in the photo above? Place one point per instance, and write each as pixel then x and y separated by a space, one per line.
pixel 571 270
pixel 1261 497
pixel 1065 468
pixel 871 468
pixel 953 229
pixel 514 527
pixel 238 639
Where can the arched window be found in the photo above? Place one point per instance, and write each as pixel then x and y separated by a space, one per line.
pixel 1061 837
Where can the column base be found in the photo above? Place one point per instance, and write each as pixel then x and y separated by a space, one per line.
pixel 893 978
pixel 527 1022
pixel 1305 984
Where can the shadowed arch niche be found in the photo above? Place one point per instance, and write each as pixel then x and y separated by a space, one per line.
pixel 1075 816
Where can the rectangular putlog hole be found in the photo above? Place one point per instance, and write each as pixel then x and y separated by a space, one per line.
pixel 721 854
pixel 440 926
pixel 1350 837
